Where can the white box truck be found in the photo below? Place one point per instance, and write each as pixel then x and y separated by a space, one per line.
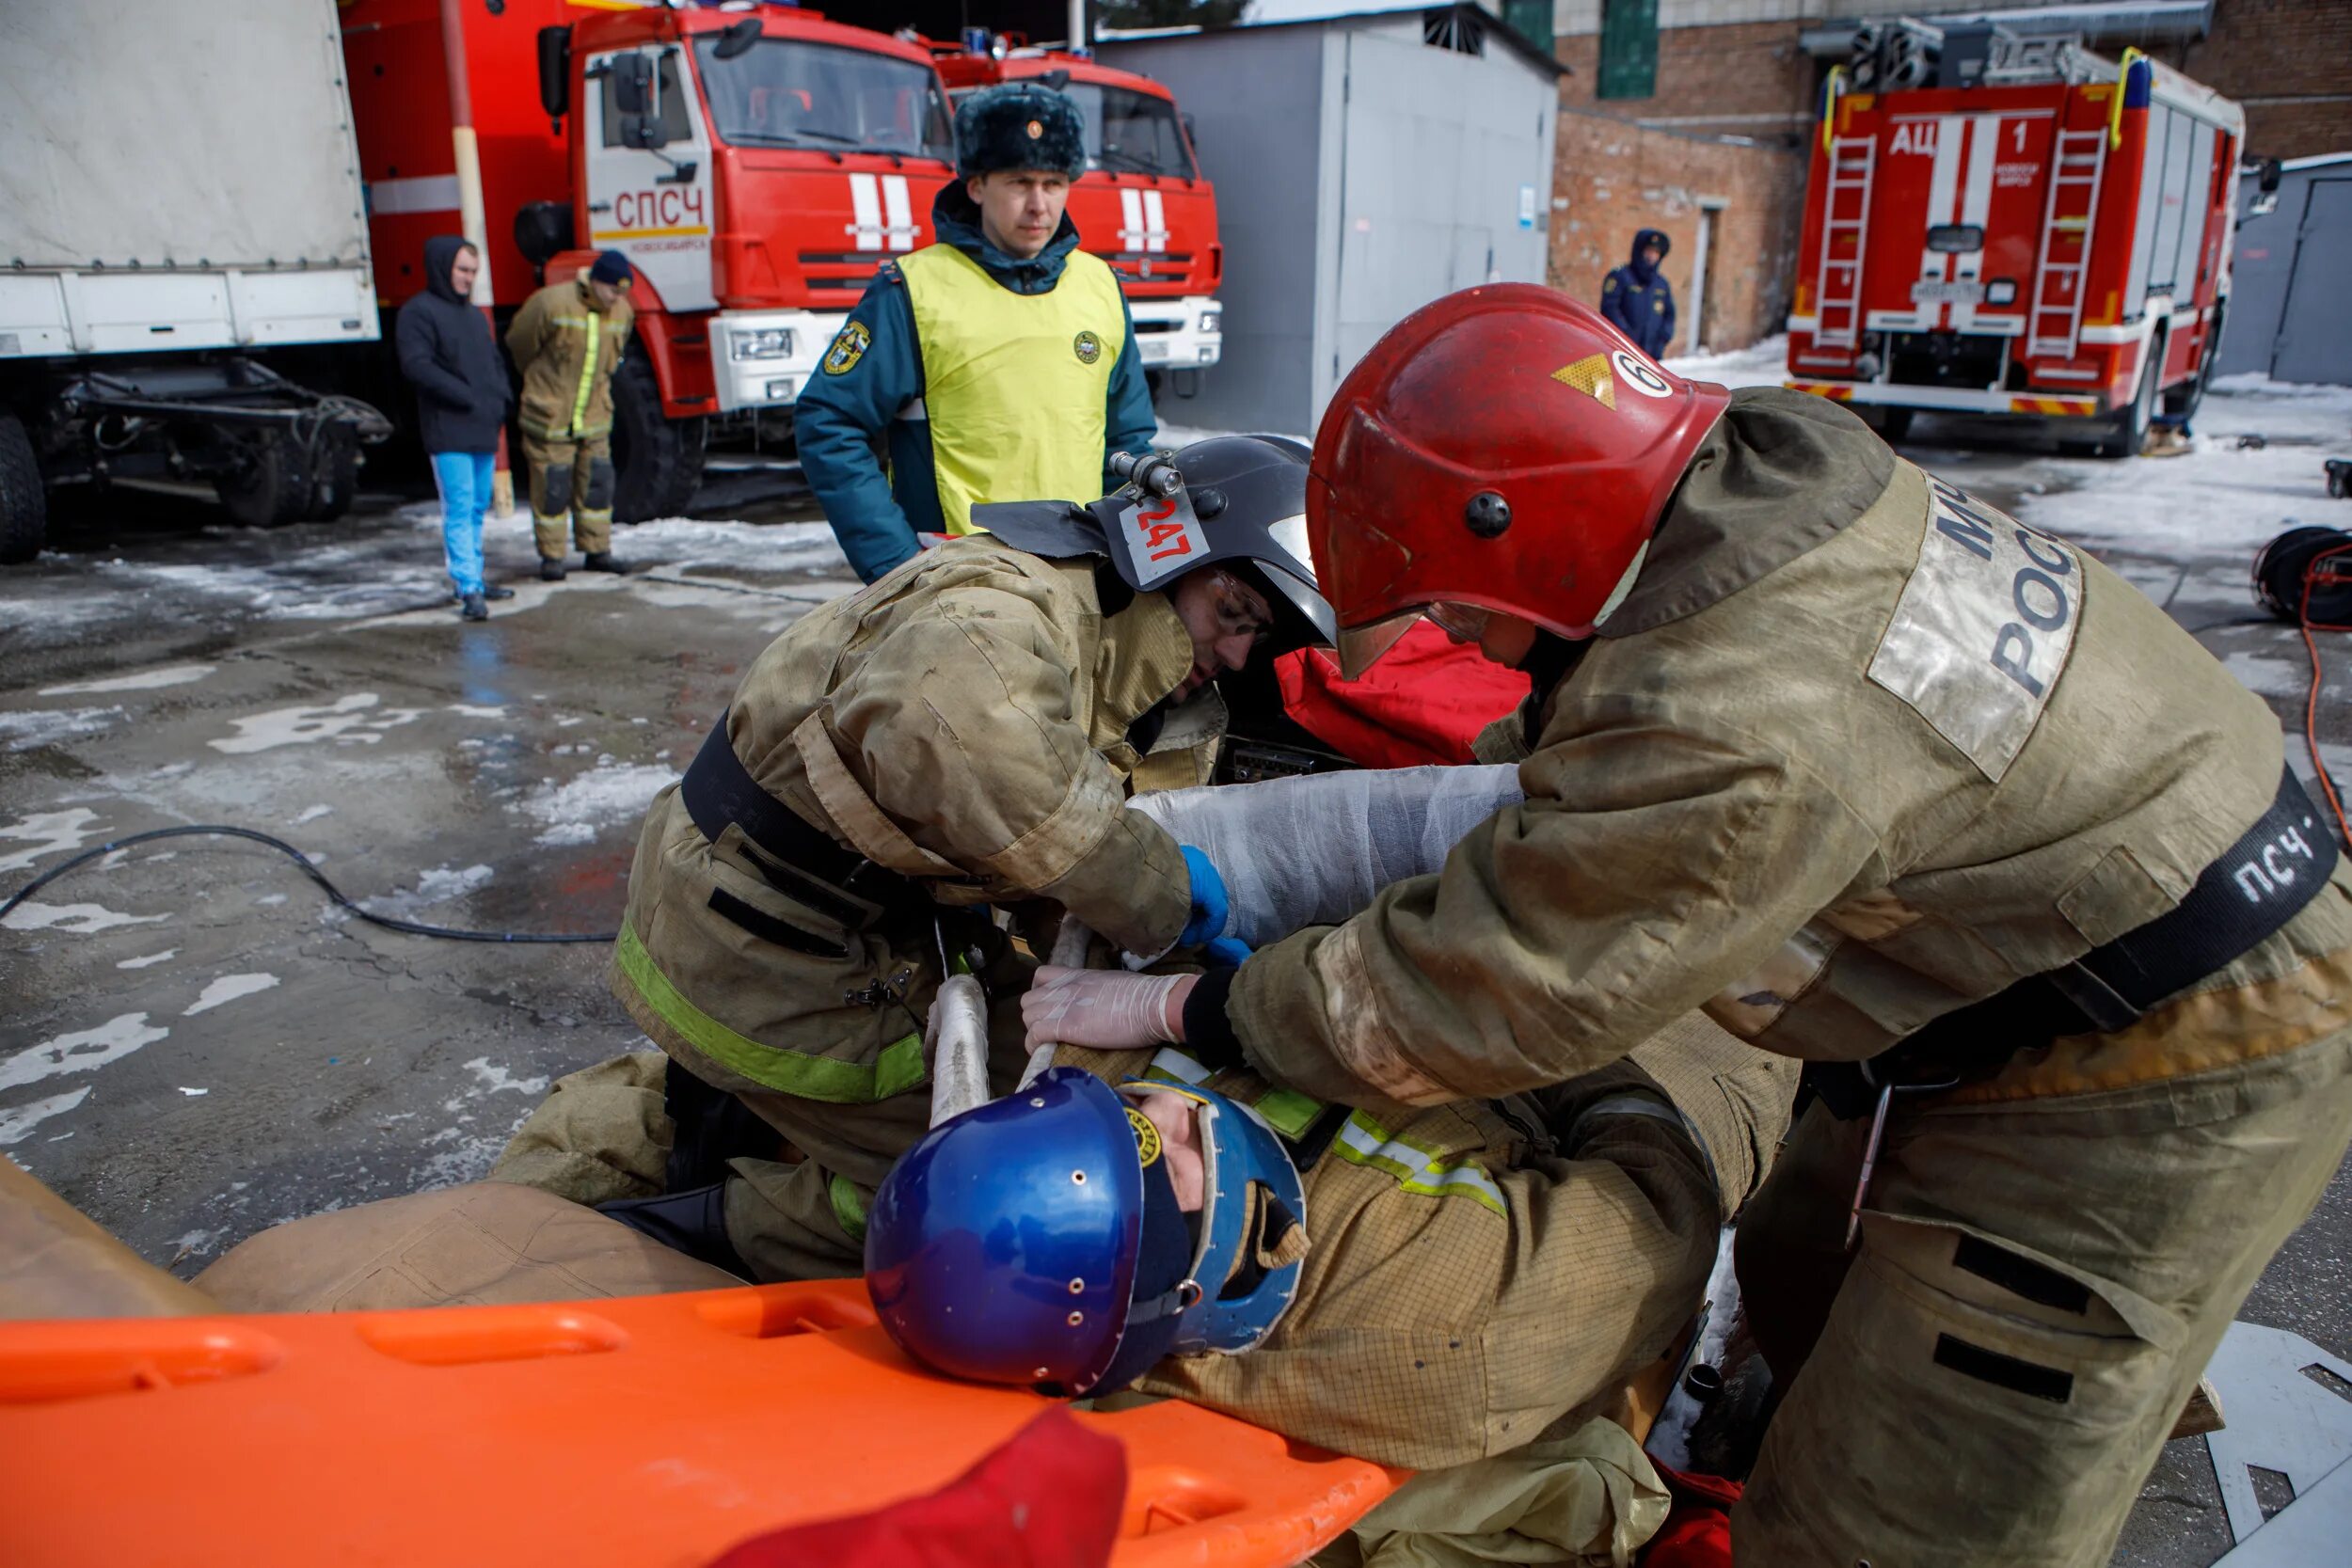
pixel 181 222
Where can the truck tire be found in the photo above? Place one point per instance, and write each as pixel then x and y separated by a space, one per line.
pixel 23 504
pixel 335 477
pixel 1892 424
pixel 2126 429
pixel 656 461
pixel 2182 402
pixel 271 489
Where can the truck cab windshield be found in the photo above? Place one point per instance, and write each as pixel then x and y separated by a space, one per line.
pixel 1131 132
pixel 781 92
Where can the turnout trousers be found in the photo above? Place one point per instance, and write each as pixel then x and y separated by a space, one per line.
pixel 2040 1281
pixel 570 480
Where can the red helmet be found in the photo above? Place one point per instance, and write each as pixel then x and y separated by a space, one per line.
pixel 1503 448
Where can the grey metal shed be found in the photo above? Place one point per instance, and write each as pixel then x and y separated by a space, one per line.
pixel 1364 164
pixel 2290 314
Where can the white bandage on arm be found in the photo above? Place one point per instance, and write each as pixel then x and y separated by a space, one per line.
pixel 1314 850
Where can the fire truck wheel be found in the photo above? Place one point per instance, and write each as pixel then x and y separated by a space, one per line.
pixel 1892 424
pixel 271 485
pixel 24 505
pixel 658 461
pixel 2182 402
pixel 2127 429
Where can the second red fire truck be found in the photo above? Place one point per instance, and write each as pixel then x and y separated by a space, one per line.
pixel 2004 225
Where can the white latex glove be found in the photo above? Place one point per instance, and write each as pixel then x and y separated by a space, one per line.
pixel 1104 1008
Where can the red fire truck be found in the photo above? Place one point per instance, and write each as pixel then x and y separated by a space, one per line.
pixel 755 164
pixel 2010 225
pixel 1142 204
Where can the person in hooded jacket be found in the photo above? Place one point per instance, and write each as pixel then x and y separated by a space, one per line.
pixel 1637 299
pixel 449 354
pixel 998 364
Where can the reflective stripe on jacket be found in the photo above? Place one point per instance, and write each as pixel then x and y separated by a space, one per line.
pixel 1014 383
pixel 568 350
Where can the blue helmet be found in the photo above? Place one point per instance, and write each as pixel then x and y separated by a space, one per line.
pixel 1036 1239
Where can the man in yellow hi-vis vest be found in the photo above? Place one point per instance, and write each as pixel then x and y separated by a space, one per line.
pixel 567 340
pixel 998 364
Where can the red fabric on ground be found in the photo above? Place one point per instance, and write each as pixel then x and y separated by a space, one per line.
pixel 1697 1534
pixel 1050 1497
pixel 1425 702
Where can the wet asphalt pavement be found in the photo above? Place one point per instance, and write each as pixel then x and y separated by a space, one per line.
pixel 194 1045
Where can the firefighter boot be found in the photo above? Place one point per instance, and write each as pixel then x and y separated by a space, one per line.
pixel 551 569
pixel 602 561
pixel 474 609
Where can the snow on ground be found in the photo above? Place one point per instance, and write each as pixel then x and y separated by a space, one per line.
pixel 1762 364
pixel 436 886
pixel 574 810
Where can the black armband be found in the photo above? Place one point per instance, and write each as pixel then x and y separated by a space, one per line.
pixel 1209 1037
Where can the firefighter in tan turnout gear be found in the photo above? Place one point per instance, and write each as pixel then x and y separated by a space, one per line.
pixel 961 734
pixel 1884 780
pixel 567 340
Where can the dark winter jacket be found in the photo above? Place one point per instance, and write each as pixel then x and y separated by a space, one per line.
pixel 449 354
pixel 839 419
pixel 1638 298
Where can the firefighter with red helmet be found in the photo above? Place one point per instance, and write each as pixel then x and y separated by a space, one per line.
pixel 1881 779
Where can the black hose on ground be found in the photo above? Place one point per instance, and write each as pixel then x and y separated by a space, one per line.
pixel 413 928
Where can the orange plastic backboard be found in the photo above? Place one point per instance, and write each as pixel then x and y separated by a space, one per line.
pixel 645 1432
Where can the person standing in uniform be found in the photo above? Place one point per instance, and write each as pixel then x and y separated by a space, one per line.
pixel 1637 297
pixel 1885 780
pixel 566 339
pixel 997 364
pixel 451 357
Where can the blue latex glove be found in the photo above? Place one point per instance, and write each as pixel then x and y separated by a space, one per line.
pixel 1226 952
pixel 1210 907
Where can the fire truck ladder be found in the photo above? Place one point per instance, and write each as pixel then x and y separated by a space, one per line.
pixel 2056 324
pixel 1845 218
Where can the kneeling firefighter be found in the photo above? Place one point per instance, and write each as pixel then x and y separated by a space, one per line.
pixel 1885 780
pixel 960 735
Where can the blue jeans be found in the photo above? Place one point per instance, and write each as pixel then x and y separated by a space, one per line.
pixel 464 479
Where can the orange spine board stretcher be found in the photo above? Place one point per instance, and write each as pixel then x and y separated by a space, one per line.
pixel 645 1432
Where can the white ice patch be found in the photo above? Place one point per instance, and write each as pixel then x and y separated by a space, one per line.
pixel 1763 364
pixel 573 810
pixel 228 989
pixel 49 833
pixel 19 1120
pixel 468 1162
pixel 165 957
pixel 42 726
pixel 80 919
pixel 471 711
pixel 86 1051
pixel 311 813
pixel 2268 675
pixel 347 719
pixel 193 1093
pixel 436 886
pixel 147 680
pixel 497 1080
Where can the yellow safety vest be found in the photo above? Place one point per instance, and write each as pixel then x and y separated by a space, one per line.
pixel 1014 383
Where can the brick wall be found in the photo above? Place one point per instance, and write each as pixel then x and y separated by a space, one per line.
pixel 1742 78
pixel 2287 62
pixel 1612 179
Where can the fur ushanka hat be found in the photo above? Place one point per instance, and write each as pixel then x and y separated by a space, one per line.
pixel 1019 125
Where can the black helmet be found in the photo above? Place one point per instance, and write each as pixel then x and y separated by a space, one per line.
pixel 1233 501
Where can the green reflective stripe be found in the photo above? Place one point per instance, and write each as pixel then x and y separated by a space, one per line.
pixel 898 1068
pixel 1289 1113
pixel 587 377
pixel 1365 1142
pixel 849 1207
pixel 1172 1066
